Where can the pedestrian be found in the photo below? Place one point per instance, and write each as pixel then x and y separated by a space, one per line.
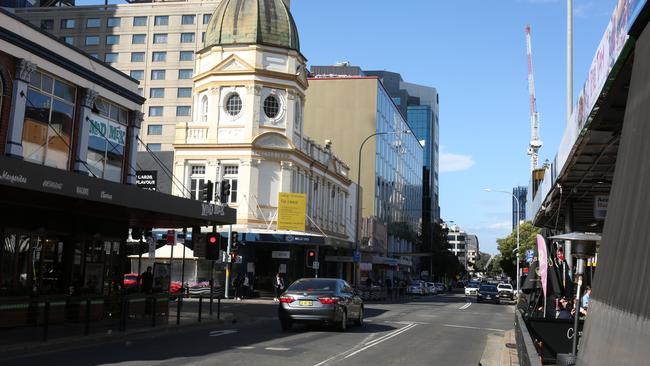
pixel 245 285
pixel 279 286
pixel 564 312
pixel 585 297
pixel 368 282
pixel 146 280
pixel 237 283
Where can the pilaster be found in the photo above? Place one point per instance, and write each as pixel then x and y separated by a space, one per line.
pixel 24 70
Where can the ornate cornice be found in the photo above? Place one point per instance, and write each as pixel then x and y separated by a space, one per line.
pixel 89 97
pixel 136 119
pixel 24 70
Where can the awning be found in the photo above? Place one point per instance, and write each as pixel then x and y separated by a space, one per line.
pixel 165 252
pixel 45 188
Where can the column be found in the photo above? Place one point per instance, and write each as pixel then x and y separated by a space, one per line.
pixel 87 102
pixel 134 130
pixel 24 70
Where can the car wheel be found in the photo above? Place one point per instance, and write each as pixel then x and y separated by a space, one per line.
pixel 343 325
pixel 498 301
pixel 286 325
pixel 359 321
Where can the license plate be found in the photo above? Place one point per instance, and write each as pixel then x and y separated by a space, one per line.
pixel 305 302
pixel 488 297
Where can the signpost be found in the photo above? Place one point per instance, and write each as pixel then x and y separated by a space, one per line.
pixel 147 179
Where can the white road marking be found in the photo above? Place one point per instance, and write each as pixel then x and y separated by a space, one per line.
pixel 467 327
pixel 277 349
pixel 405 322
pixel 245 347
pixel 465 306
pixel 366 343
pixel 217 333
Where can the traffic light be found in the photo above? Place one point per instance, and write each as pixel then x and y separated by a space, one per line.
pixel 207 191
pixel 225 191
pixel 212 246
pixel 310 258
pixel 234 243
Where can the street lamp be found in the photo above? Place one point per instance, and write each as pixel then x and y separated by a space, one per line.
pixel 518 215
pixel 359 213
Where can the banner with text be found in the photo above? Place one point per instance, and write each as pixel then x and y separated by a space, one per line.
pixel 292 211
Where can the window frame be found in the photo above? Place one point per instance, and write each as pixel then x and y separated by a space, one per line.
pixel 139 36
pixel 185 16
pixel 99 23
pixel 233 179
pixel 146 20
pixel 161 18
pixel 156 108
pixel 91 44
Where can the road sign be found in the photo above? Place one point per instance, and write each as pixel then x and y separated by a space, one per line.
pixel 315 265
pixel 530 254
pixel 356 256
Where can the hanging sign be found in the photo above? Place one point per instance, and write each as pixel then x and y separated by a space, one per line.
pixel 292 211
pixel 600 207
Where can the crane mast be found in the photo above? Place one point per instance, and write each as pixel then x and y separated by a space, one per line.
pixel 535 142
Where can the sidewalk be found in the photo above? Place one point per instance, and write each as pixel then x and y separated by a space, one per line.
pixel 500 350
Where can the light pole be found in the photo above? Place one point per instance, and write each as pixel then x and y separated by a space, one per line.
pixel 518 215
pixel 359 212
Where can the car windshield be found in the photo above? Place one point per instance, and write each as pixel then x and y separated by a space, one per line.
pixel 506 287
pixel 130 277
pixel 488 288
pixel 314 285
pixel 472 284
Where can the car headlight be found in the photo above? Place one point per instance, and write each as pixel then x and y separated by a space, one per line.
pixel 479 295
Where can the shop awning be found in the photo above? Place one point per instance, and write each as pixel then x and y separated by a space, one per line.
pixel 165 252
pixel 38 187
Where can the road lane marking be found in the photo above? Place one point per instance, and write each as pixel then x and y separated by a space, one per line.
pixel 217 333
pixel 380 340
pixel 344 352
pixel 245 347
pixel 465 306
pixel 468 327
pixel 277 349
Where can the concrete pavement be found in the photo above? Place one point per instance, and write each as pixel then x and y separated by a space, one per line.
pixel 434 330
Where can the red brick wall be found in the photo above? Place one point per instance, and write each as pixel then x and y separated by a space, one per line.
pixel 7 71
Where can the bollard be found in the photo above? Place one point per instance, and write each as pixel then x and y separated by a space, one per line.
pixel 126 314
pixel 211 299
pixel 153 312
pixel 200 306
pixel 219 308
pixel 179 304
pixel 87 319
pixel 46 320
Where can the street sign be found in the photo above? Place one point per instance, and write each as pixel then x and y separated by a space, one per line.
pixel 530 254
pixel 356 256
pixel 315 265
pixel 147 179
pixel 171 237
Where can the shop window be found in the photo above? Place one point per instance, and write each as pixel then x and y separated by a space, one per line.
pixel 230 174
pixel 49 116
pixel 107 141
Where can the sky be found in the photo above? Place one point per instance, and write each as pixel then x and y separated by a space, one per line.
pixel 474 53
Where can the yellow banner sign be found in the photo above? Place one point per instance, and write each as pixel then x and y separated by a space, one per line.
pixel 292 211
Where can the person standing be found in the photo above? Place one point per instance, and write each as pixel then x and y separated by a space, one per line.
pixel 237 285
pixel 245 285
pixel 279 286
pixel 146 280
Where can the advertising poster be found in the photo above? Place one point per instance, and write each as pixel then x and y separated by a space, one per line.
pixel 292 211
pixel 162 277
pixel 94 277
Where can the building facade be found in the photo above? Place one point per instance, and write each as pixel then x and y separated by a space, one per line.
pixel 247 129
pixel 153 42
pixel 457 239
pixel 521 192
pixel 349 110
pixel 68 128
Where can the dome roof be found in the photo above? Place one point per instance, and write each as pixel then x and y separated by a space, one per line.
pixel 266 22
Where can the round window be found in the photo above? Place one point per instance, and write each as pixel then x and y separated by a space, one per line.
pixel 233 104
pixel 271 106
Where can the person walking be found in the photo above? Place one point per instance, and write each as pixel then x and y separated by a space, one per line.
pixel 146 280
pixel 245 285
pixel 279 286
pixel 237 285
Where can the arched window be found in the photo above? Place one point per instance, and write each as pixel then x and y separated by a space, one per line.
pixel 204 109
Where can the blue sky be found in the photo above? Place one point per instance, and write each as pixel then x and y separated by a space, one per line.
pixel 474 53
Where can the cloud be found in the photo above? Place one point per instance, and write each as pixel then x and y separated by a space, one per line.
pixel 500 225
pixel 455 162
pixel 582 10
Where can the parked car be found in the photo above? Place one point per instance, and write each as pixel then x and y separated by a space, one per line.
pixel 416 288
pixel 471 288
pixel 327 301
pixel 440 287
pixel 506 292
pixel 488 293
pixel 130 280
pixel 431 288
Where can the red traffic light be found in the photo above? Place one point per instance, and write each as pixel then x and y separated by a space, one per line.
pixel 311 253
pixel 213 238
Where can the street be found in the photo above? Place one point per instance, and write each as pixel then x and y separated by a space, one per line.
pixel 442 329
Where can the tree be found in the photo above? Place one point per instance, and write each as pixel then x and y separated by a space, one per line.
pixel 481 262
pixel 507 246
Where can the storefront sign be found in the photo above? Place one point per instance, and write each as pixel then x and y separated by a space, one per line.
pixel 282 268
pixel 292 211
pixel 102 128
pixel 336 258
pixel 600 207
pixel 147 179
pixel 365 266
pixel 281 254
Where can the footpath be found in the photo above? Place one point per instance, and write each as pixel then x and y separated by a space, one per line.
pixel 500 350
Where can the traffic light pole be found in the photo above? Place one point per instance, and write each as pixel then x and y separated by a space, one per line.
pixel 228 266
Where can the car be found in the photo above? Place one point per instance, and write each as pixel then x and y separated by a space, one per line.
pixel 130 280
pixel 506 292
pixel 471 288
pixel 487 293
pixel 416 288
pixel 440 287
pixel 328 301
pixel 431 288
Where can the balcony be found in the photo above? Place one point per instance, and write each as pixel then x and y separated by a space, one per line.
pixel 190 133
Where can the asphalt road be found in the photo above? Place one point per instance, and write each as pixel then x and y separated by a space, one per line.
pixel 434 330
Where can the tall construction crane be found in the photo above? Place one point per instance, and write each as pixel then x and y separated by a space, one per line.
pixel 535 142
